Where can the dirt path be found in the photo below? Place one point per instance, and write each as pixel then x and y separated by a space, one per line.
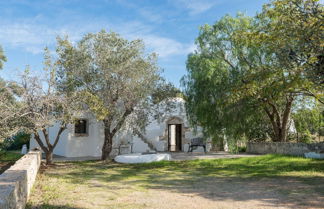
pixel 211 193
pixel 221 193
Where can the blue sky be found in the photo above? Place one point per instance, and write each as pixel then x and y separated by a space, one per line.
pixel 168 27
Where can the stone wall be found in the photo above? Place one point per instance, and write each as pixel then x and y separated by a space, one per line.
pixel 297 149
pixel 17 181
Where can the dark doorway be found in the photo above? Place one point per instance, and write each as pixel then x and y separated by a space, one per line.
pixel 174 137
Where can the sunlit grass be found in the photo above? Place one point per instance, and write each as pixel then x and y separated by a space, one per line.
pixel 7 159
pixel 90 181
pixel 9 156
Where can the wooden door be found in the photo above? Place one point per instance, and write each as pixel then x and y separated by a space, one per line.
pixel 178 137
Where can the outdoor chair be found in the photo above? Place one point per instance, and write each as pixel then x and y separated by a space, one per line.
pixel 197 142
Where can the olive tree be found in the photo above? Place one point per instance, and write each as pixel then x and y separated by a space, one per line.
pixel 43 106
pixel 113 77
pixel 8 103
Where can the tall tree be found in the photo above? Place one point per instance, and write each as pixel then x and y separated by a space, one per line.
pixel 114 78
pixel 43 106
pixel 247 68
pixel 214 79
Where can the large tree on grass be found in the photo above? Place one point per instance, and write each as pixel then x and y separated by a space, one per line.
pixel 250 71
pixel 43 106
pixel 113 77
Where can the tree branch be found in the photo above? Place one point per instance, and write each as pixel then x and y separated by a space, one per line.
pixel 49 145
pixel 62 128
pixel 121 122
pixel 39 141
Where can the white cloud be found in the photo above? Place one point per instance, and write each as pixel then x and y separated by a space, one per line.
pixel 166 47
pixel 34 37
pixel 31 37
pixel 150 15
pixel 197 6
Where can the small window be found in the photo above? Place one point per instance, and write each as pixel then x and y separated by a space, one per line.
pixel 80 127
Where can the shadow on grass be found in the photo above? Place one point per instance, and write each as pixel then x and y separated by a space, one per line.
pixel 272 179
pixel 49 206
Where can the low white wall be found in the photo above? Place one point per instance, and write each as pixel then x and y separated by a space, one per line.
pixel 17 181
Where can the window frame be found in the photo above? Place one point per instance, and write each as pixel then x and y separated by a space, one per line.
pixel 86 127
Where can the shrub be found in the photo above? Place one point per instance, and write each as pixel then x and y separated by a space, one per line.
pixel 4 144
pixel 242 149
pixel 306 137
pixel 232 146
pixel 17 141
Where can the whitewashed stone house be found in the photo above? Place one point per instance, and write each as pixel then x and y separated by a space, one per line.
pixel 172 133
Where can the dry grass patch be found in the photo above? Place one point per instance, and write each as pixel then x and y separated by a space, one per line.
pixel 260 182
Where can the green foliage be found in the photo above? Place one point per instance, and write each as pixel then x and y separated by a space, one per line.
pixel 9 92
pixel 305 137
pixel 213 84
pixel 164 90
pixel 3 147
pixel 232 147
pixel 242 149
pixel 248 72
pixel 112 77
pixel 296 36
pixel 309 121
pixel 105 69
pixel 16 142
pixel 9 157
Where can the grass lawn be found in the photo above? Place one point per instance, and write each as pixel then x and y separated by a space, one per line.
pixel 7 159
pixel 270 181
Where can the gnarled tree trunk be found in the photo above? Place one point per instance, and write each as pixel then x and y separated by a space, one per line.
pixel 49 157
pixel 48 148
pixel 279 121
pixel 107 146
pixel 111 132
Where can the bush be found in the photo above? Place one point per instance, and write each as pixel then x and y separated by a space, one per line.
pixel 232 146
pixel 4 144
pixel 306 137
pixel 17 141
pixel 242 149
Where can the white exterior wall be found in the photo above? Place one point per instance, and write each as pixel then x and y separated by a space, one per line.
pixel 61 146
pixel 70 145
pixel 156 132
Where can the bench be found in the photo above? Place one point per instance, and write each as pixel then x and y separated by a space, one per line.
pixel 197 142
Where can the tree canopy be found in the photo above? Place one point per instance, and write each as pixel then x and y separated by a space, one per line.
pixel 114 78
pixel 248 71
pixel 42 106
pixel 8 91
